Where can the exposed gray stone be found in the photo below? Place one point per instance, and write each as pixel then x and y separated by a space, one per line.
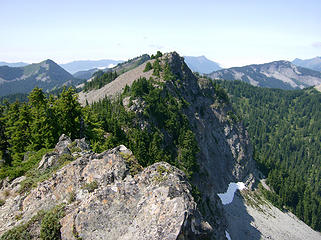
pixel 63 145
pixel 154 204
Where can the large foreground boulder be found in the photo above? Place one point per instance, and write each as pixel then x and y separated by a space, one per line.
pixel 109 196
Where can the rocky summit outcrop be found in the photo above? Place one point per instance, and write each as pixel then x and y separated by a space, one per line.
pixel 109 196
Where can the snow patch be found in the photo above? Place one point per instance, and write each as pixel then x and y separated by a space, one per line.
pixel 228 196
pixel 227 235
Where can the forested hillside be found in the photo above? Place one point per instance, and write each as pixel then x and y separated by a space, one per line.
pixel 160 132
pixel 285 130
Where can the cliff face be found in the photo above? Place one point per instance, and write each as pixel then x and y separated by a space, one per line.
pixel 103 198
pixel 225 152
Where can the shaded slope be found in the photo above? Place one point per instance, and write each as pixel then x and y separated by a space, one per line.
pixel 46 75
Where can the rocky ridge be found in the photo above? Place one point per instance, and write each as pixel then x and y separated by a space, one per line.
pixel 108 194
pixel 278 74
pixel 225 153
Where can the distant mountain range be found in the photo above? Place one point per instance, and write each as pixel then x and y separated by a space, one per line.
pixel 201 64
pixel 313 63
pixel 86 74
pixel 278 74
pixel 17 64
pixel 84 65
pixel 46 75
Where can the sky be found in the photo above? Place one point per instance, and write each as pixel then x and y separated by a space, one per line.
pixel 230 32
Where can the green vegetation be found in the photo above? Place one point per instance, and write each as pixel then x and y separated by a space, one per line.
pixel 285 130
pixel 148 67
pixel 47 221
pixel 158 55
pixel 34 176
pixel 100 79
pixel 90 187
pixel 35 127
pixel 167 135
pixel 157 68
pixel 50 224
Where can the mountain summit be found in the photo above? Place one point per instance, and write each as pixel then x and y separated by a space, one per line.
pixel 313 63
pixel 46 75
pixel 201 64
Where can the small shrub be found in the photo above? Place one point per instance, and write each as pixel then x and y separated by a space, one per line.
pixel 6 193
pixel 2 202
pixel 148 67
pixel 134 166
pixel 50 225
pixel 90 187
pixel 18 216
pixel 18 233
pixel 157 68
pixel 26 185
pixel 75 149
pixel 71 197
pixel 65 159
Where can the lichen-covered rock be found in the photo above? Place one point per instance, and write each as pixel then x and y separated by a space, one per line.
pixel 48 160
pixel 64 146
pixel 104 201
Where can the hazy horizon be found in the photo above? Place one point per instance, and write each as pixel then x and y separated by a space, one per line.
pixel 232 34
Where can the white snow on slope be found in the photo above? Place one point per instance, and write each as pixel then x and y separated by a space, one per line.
pixel 227 235
pixel 227 197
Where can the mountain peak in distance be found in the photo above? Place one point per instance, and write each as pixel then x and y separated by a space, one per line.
pixel 201 64
pixel 312 63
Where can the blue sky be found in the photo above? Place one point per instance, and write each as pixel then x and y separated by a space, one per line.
pixel 230 32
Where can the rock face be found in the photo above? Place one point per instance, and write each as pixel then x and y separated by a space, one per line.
pixel 278 74
pixel 104 199
pixel 64 146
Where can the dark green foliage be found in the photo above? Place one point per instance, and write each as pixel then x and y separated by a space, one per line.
pixel 38 124
pixel 168 136
pixel 100 79
pixel 18 233
pixel 158 54
pixel 11 98
pixel 157 68
pixel 148 67
pixel 20 167
pixel 285 130
pixel 50 224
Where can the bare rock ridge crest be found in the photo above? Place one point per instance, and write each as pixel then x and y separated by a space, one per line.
pixel 119 205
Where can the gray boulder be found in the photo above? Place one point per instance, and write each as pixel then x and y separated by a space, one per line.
pixel 110 202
